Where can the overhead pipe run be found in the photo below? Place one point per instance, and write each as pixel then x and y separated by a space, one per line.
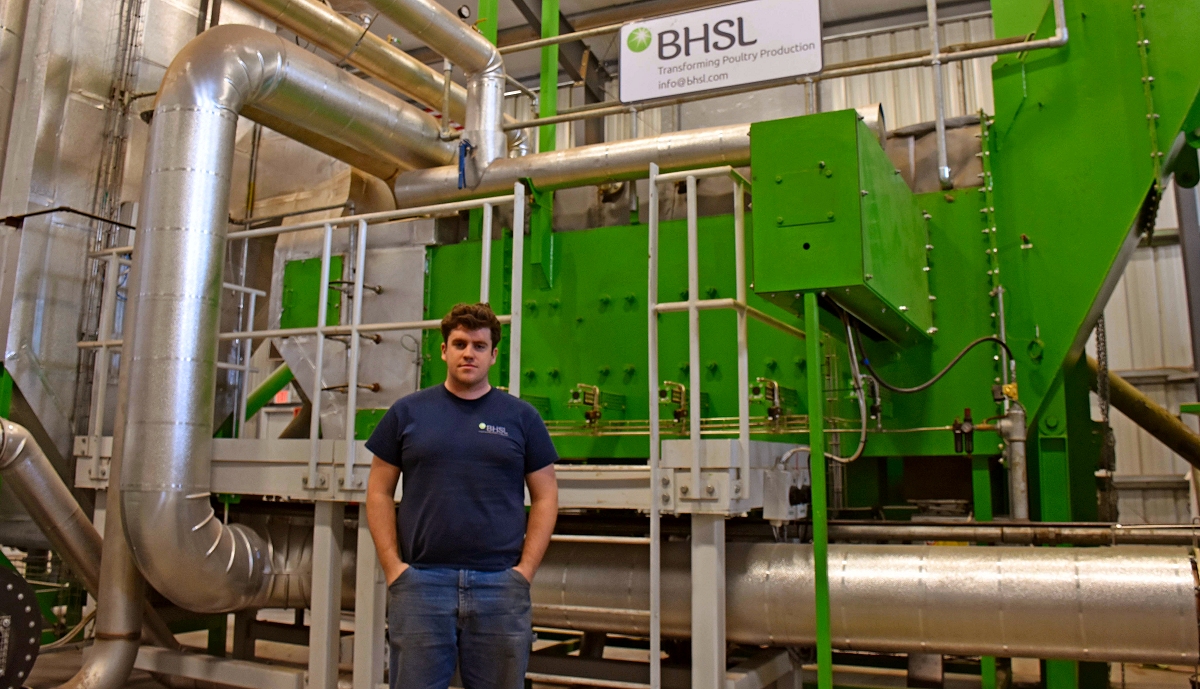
pixel 349 42
pixel 1153 418
pixel 595 164
pixel 479 59
pixel 180 546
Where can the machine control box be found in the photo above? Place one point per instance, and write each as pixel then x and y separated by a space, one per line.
pixel 832 213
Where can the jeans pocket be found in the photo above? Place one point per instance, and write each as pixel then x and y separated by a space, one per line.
pixel 403 576
pixel 518 577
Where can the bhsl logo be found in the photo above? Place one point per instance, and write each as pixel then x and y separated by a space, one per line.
pixel 492 430
pixel 640 39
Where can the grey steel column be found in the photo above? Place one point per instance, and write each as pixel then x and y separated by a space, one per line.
pixel 324 645
pixel 708 600
pixel 1189 244
pixel 370 604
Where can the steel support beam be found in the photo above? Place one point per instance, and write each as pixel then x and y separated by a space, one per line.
pixel 577 61
pixel 708 601
pixel 369 609
pixel 1189 244
pixel 325 623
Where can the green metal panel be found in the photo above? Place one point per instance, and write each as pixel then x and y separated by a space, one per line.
pixel 591 328
pixel 833 213
pixel 301 293
pixel 1074 159
pixel 365 421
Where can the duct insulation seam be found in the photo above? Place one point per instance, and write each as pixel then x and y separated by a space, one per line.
pixel 585 165
pixel 184 551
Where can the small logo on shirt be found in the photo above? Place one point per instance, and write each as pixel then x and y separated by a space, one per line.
pixel 493 430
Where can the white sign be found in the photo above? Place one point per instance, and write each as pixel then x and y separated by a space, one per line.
pixel 720 47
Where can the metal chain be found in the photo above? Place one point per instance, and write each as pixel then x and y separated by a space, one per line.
pixel 1102 376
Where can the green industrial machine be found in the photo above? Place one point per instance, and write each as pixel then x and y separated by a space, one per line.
pixel 1074 162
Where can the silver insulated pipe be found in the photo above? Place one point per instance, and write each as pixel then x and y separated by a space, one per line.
pixel 575 167
pixel 447 35
pixel 1124 603
pixel 183 550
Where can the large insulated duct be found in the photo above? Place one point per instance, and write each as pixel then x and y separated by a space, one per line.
pixel 1119 603
pixel 595 164
pixel 479 59
pixel 1124 603
pixel 49 502
pixel 351 43
pixel 183 550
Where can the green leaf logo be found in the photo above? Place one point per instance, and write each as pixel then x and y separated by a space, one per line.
pixel 640 39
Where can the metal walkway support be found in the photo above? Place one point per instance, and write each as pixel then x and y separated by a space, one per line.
pixel 699 494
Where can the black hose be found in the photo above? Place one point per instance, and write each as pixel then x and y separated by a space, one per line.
pixel 927 384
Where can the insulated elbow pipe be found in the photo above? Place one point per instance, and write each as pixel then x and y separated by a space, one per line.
pixel 24 466
pixel 447 35
pixel 179 545
pixel 341 36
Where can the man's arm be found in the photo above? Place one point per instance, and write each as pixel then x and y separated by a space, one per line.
pixel 381 517
pixel 543 512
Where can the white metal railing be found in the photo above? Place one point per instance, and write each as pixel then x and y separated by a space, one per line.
pixel 693 306
pixel 117 257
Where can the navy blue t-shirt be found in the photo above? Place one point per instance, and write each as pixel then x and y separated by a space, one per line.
pixel 463 464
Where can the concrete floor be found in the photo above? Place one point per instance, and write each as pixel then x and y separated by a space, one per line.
pixel 55 668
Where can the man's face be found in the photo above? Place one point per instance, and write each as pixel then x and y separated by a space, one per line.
pixel 469 355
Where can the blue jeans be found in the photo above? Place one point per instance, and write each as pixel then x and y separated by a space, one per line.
pixel 481 621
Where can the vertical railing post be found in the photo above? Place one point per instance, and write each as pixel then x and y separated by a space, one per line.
pixel 693 273
pixel 655 472
pixel 349 482
pixel 816 462
pixel 518 276
pixel 741 489
pixel 240 417
pixel 485 267
pixel 101 360
pixel 314 427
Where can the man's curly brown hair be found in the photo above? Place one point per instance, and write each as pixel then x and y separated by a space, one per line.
pixel 472 317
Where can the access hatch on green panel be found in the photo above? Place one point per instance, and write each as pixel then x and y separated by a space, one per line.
pixel 832 214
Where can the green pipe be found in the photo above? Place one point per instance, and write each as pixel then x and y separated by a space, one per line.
pixel 548 97
pixel 259 398
pixel 489 15
pixel 816 467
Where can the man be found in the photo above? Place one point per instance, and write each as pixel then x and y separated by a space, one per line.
pixel 458 556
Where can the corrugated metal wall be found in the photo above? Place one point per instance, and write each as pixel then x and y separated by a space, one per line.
pixel 907 95
pixel 1150 345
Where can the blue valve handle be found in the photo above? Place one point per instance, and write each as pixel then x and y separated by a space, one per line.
pixel 464 149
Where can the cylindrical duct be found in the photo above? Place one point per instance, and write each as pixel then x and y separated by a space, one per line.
pixel 595 164
pixel 183 550
pixel 1132 604
pixel 1123 603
